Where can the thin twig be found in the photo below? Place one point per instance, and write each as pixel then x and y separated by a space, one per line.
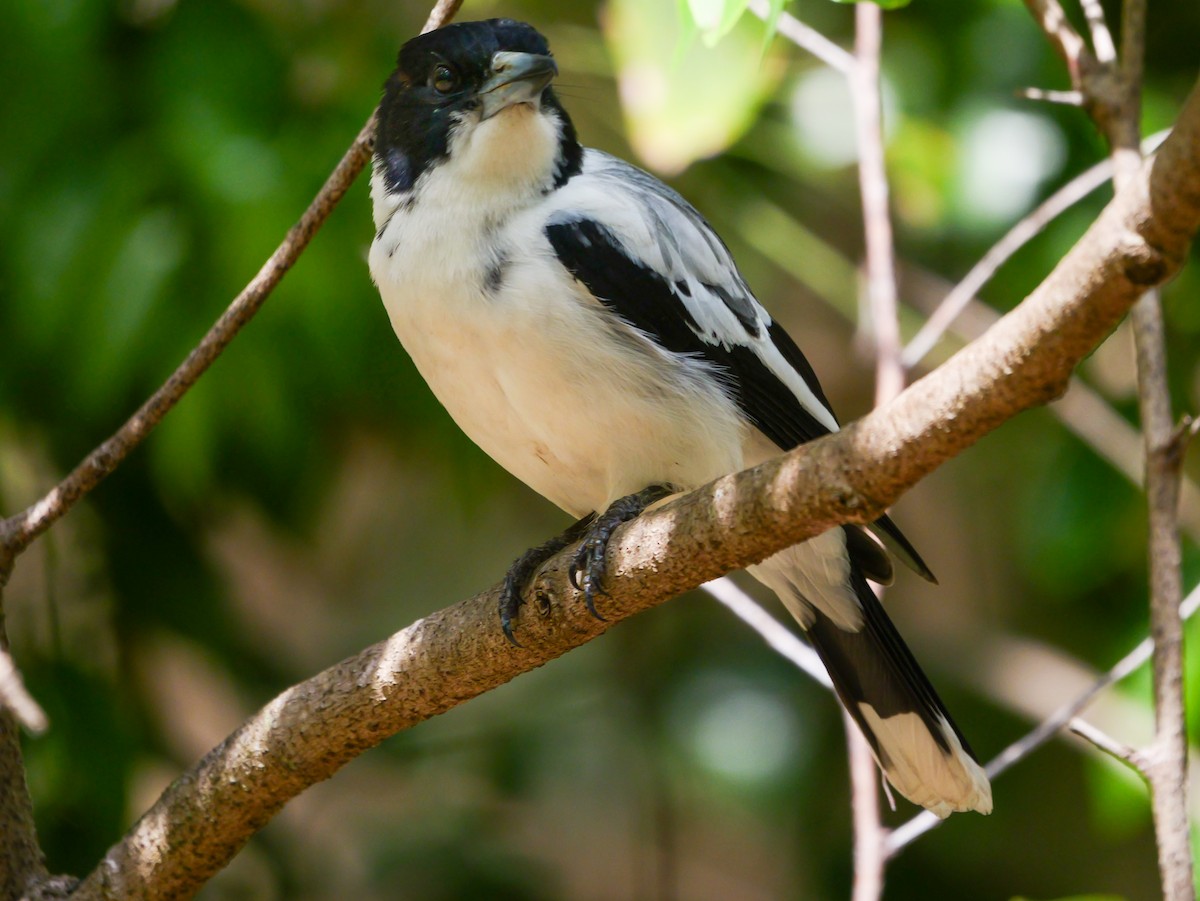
pixel 18 531
pixel 1003 250
pixel 1166 757
pixel 1102 40
pixel 877 221
pixel 1118 750
pixel 870 835
pixel 16 697
pixel 780 638
pixel 1045 95
pixel 443 11
pixel 1116 109
pixel 870 861
pixel 807 38
pixel 1066 40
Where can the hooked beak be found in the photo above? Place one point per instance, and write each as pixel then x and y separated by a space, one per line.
pixel 516 78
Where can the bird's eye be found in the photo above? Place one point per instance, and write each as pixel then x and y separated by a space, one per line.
pixel 443 80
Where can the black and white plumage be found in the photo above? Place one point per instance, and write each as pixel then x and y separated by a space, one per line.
pixel 588 329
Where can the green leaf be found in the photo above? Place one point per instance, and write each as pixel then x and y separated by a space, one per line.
pixel 701 101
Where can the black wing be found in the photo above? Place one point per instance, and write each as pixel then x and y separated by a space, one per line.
pixel 651 303
pixel 676 296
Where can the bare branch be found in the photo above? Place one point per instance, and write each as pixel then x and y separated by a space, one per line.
pixel 311 730
pixel 15 697
pixel 1066 40
pixel 1064 98
pixel 443 11
pixel 870 836
pixel 1114 95
pixel 18 531
pixel 779 637
pixel 1184 434
pixel 1003 250
pixel 873 185
pixel 870 861
pixel 22 864
pixel 1102 40
pixel 1166 758
pixel 1109 745
pixel 807 38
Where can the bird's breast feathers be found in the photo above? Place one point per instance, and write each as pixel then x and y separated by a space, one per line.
pixel 534 369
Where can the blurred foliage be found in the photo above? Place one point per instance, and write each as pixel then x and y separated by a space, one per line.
pixel 309 496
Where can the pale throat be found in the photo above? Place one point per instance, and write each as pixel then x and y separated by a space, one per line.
pixel 508 158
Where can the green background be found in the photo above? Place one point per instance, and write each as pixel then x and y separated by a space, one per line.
pixel 308 497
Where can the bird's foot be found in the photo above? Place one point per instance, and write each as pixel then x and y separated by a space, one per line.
pixel 591 561
pixel 523 569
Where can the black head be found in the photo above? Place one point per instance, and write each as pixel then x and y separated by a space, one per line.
pixel 457 77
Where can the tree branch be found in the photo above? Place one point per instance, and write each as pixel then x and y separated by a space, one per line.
pixel 877 222
pixel 312 729
pixel 1115 92
pixel 19 530
pixel 870 861
pixel 22 864
pixel 1066 40
pixel 1102 42
pixel 1109 745
pixel 1024 231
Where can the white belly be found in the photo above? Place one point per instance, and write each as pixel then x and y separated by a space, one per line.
pixel 536 375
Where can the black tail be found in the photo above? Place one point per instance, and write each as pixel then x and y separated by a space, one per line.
pixel 914 739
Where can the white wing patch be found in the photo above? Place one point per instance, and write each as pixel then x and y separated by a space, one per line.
pixel 660 230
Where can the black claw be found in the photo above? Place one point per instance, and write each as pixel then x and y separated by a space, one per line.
pixel 587 571
pixel 589 598
pixel 590 566
pixel 510 603
pixel 523 570
pixel 506 625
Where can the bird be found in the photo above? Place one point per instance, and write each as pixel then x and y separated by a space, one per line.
pixel 587 328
